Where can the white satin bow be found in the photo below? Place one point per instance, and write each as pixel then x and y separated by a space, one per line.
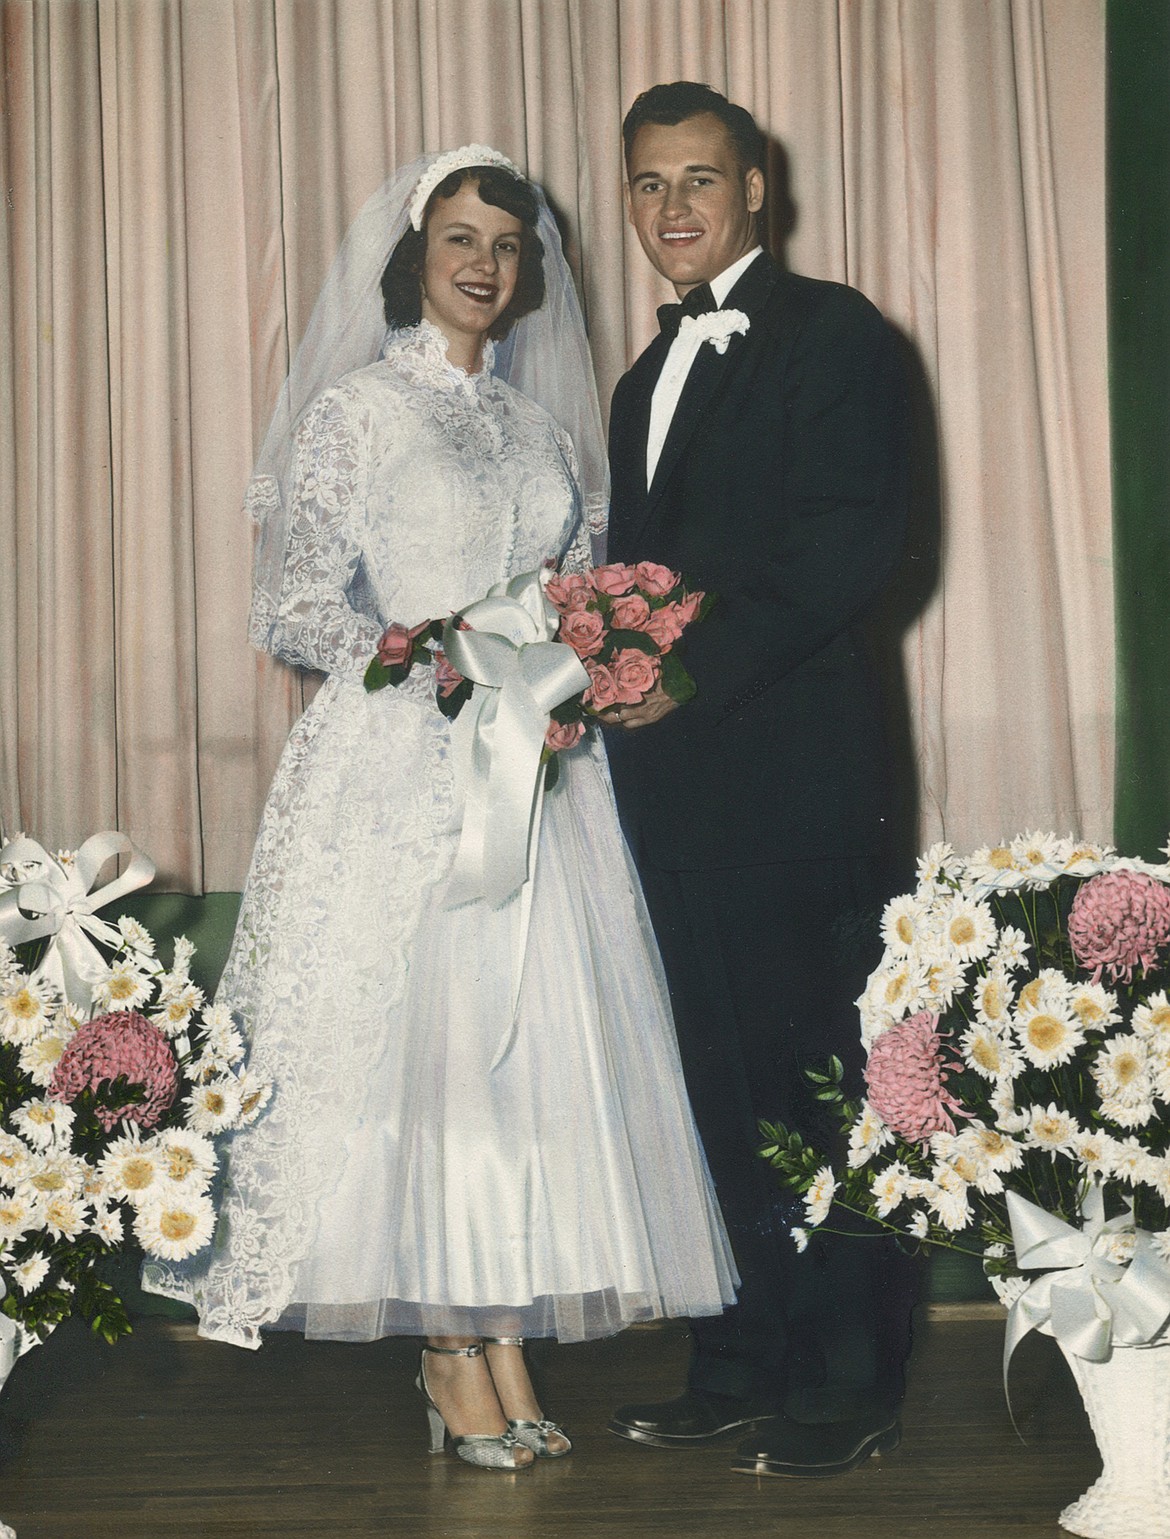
pixel 1087 1301
pixel 55 900
pixel 520 674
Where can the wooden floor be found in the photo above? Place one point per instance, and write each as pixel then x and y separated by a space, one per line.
pixel 168 1437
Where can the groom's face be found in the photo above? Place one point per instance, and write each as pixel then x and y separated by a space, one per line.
pixel 689 199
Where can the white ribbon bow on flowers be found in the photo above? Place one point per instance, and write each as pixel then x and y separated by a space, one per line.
pixel 56 900
pixel 1087 1301
pixel 520 674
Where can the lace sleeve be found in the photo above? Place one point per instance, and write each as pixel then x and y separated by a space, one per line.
pixel 317 626
pixel 586 549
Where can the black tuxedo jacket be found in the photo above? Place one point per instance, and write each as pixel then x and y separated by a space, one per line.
pixel 782 489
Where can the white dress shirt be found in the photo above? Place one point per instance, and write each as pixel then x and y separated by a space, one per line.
pixel 683 352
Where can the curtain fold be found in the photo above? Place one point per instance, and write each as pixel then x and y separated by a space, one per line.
pixel 187 169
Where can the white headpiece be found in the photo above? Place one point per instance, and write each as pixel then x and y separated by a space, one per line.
pixel 545 356
pixel 454 160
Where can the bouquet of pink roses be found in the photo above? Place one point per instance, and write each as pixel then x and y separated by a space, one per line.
pixel 621 620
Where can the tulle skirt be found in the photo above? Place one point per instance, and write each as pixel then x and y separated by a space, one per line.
pixel 431 1163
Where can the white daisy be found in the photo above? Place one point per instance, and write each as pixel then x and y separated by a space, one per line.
pixel 1117 1247
pixel 108 1225
pixel 933 862
pixel 176 1009
pixel 943 981
pixel 131 1168
pixel 52 1173
pixel 947 1196
pixel 918 1226
pixel 136 935
pixel 1131 1162
pixel 1121 1070
pixel 1046 1028
pixel 1094 1151
pixel 903 923
pixel 38 1059
pixel 994 866
pixel 184 951
pixel 255 1094
pixel 123 987
pixel 1011 951
pixel 889 1188
pixel 44 1123
pixel 1008 1117
pixel 800 1238
pixel 176 1228
pixel 214 1107
pixel 1094 1006
pixel 1008 1286
pixel 1162 1243
pixel 867 1135
pixel 1040 855
pixel 14 1157
pixel 18 1214
pixel 223 1043
pixel 1152 1019
pixel 64 1217
pixel 1050 1127
pixel 186 1160
pixel 28 1275
pixel 26 1009
pixel 967 927
pixel 1084 858
pixel 989 1052
pixel 994 996
pixel 819 1197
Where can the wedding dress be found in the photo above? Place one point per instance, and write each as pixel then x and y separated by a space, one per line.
pixel 399 1183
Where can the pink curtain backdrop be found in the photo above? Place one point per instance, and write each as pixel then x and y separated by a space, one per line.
pixel 179 175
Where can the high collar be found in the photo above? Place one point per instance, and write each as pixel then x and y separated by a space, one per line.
pixel 423 348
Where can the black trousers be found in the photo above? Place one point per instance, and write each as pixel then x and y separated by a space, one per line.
pixel 764 965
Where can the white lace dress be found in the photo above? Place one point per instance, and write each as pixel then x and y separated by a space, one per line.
pixel 397 1183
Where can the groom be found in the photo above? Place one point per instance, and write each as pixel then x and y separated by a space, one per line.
pixel 762 452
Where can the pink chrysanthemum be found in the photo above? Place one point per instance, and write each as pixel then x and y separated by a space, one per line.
pixel 122 1043
pixel 1117 920
pixel 905 1075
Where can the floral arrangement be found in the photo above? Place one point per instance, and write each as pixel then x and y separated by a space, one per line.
pixel 108 1113
pixel 622 621
pixel 1017 1083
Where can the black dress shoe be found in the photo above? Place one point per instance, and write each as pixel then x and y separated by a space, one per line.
pixel 696 1416
pixel 811 1451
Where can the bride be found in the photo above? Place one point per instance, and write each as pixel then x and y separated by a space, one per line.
pixel 434 1162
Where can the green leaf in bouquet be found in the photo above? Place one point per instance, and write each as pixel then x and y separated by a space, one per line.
pixel 676 681
pixel 620 641
pixel 552 769
pixel 377 675
pixel 452 704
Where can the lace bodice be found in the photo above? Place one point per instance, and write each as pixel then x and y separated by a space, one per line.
pixel 417 486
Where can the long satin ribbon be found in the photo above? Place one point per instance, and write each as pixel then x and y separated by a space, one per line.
pixel 520 674
pixel 58 901
pixel 15 1341
pixel 1089 1303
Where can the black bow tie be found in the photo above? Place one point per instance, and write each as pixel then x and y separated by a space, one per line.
pixel 700 301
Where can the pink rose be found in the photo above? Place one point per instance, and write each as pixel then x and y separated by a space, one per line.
pixel 654 579
pixel 579 598
pixel 634 675
pixel 584 631
pixel 562 735
pixel 563 591
pixel 630 613
pixel 688 608
pixel 612 579
pixel 397 643
pixel 602 691
pixel 447 678
pixel 664 627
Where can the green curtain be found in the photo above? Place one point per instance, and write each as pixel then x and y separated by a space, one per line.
pixel 1138 97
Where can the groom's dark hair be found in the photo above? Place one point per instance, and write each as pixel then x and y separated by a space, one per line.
pixel 683 99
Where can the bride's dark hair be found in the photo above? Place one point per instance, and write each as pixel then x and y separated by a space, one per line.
pixel 402 279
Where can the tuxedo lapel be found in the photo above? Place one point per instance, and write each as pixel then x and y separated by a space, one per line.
pixel 709 373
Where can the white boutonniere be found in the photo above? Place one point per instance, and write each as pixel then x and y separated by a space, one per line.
pixel 717 326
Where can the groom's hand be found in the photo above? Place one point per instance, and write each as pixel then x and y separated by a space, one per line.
pixel 653 707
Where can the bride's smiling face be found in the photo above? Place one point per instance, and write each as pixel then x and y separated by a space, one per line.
pixel 470 269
